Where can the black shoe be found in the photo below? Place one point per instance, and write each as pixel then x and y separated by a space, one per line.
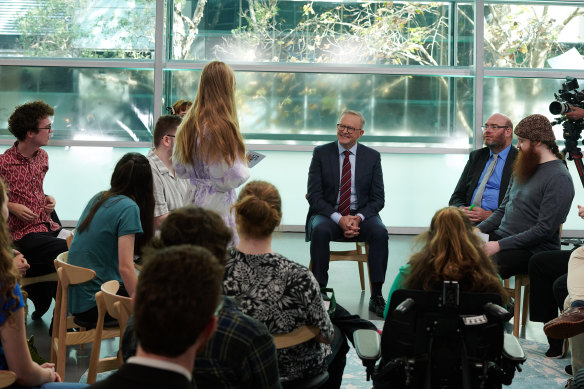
pixel 568 369
pixel 558 348
pixel 41 307
pixel 377 305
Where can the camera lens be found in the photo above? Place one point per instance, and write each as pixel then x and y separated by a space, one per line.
pixel 558 108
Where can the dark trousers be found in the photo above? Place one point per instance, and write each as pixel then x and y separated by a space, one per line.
pixel 511 262
pixel 337 360
pixel 324 230
pixel 548 273
pixel 40 250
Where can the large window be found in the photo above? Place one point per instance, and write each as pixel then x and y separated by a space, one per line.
pixel 111 67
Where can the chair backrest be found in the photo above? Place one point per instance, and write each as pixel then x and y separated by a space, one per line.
pixel 118 307
pixel 296 337
pixel 7 378
pixel 441 340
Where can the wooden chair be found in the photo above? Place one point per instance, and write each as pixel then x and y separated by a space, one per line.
pixel 7 378
pixel 118 307
pixel 360 255
pixel 61 338
pixel 521 280
pixel 296 337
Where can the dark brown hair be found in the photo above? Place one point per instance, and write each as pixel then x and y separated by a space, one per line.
pixel 196 226
pixel 164 126
pixel 258 209
pixel 132 177
pixel 26 118
pixel 178 290
pixel 451 251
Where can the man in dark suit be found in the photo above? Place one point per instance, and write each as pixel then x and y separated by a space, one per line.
pixel 497 135
pixel 345 193
pixel 175 314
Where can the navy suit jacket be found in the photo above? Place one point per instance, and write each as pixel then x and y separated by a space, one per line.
pixel 324 182
pixel 134 376
pixel 469 179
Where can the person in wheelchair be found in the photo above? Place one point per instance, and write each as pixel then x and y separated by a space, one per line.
pixel 450 251
pixel 444 324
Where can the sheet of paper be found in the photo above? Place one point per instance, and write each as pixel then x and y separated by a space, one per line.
pixel 254 158
pixel 484 237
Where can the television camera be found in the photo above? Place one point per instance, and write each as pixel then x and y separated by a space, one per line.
pixel 566 98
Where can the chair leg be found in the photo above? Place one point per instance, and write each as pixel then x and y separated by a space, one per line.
pixel 517 311
pixel 525 304
pixel 361 276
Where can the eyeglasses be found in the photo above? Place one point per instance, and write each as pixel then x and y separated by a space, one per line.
pixel 170 136
pixel 492 127
pixel 46 128
pixel 349 129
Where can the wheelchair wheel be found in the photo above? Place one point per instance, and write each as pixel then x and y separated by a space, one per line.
pixel 579 380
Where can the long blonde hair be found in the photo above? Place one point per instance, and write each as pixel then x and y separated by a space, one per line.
pixel 452 252
pixel 8 274
pixel 209 131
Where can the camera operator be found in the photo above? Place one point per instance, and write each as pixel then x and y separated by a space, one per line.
pixel 575 113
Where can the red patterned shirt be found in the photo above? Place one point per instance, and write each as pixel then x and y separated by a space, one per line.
pixel 24 177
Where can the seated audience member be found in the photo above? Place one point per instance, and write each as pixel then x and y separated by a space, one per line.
pixel 177 294
pixel 485 177
pixel 346 193
pixel 241 352
pixel 548 279
pixel 547 292
pixel 282 294
pixel 570 324
pixel 15 355
pixel 169 190
pixel 23 167
pixel 180 107
pixel 114 226
pixel 450 251
pixel 537 201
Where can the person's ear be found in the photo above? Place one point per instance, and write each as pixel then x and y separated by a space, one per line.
pixel 207 332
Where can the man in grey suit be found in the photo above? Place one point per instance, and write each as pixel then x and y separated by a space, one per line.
pixel 345 193
pixel 479 202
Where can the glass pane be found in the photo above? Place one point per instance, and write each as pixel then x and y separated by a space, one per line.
pixel 78 28
pixel 345 32
pixel 526 96
pixel 533 36
pixel 302 108
pixel 90 104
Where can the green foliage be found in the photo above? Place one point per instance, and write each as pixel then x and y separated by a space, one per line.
pixel 50 29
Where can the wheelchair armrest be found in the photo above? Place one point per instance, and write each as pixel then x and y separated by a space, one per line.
pixel 367 344
pixel 512 349
pixel 497 311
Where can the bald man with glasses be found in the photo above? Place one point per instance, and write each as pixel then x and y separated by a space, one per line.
pixel 485 177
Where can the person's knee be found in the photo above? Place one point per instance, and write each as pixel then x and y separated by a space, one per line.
pixel 535 263
pixel 321 233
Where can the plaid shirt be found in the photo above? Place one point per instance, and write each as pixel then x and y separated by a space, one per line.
pixel 24 177
pixel 241 354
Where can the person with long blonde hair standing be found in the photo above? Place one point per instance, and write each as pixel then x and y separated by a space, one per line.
pixel 209 148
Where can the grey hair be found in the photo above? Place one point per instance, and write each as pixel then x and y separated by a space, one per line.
pixel 352 112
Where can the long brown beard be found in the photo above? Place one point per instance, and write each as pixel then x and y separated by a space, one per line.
pixel 525 164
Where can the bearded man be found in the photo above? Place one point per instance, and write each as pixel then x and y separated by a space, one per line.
pixel 537 201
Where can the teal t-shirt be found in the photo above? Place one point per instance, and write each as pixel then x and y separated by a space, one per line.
pixel 97 247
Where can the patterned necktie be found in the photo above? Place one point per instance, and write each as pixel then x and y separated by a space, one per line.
pixel 345 197
pixel 478 197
